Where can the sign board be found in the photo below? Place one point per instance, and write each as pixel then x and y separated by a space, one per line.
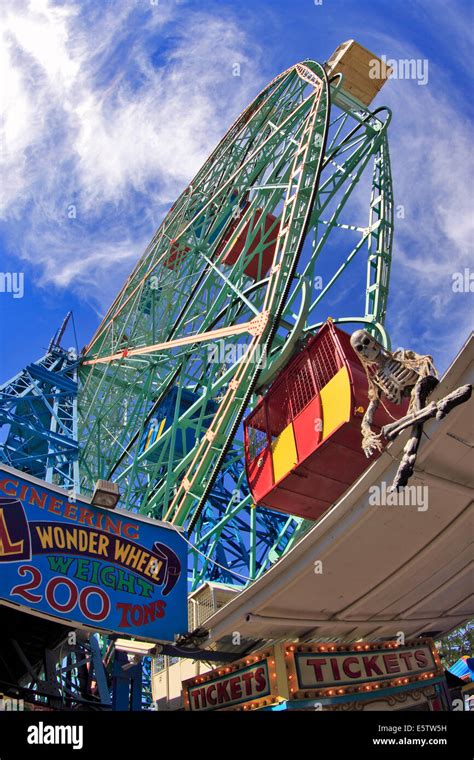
pixel 255 681
pixel 334 670
pixel 92 567
pixel 287 672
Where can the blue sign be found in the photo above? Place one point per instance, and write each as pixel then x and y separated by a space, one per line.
pixel 105 569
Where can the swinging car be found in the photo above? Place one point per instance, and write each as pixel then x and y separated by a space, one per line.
pixel 303 442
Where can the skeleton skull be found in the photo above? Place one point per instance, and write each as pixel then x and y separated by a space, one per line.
pixel 365 345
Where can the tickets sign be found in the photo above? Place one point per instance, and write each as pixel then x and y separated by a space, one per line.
pixel 315 671
pixel 336 670
pixel 254 682
pixel 288 672
pixel 95 567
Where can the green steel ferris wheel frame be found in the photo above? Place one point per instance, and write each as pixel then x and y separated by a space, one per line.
pixel 289 156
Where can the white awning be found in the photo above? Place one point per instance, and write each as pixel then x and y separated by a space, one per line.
pixel 385 569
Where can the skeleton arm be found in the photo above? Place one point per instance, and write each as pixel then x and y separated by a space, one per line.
pixel 370 441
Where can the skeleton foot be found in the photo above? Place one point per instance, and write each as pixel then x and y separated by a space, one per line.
pixel 407 465
pixel 459 396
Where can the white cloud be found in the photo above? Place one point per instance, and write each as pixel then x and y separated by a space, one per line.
pixel 432 165
pixel 93 118
pixel 114 112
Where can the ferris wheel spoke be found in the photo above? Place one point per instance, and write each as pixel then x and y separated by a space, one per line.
pixel 251 327
pixel 229 283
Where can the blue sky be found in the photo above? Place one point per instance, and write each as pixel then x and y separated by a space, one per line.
pixel 112 106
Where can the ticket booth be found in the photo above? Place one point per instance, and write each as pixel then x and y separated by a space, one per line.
pixel 374 675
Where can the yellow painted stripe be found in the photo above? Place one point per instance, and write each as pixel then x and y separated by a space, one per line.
pixel 150 433
pixel 147 442
pixel 284 453
pixel 160 429
pixel 336 402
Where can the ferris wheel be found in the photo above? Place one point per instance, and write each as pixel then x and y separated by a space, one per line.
pixel 256 253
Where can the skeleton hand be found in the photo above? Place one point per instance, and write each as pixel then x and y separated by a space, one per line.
pixel 370 443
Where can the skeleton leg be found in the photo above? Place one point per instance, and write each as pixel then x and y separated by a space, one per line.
pixel 393 429
pixel 438 409
pixel 420 392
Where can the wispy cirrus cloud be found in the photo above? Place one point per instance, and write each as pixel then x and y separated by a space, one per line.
pixel 111 108
pixel 109 112
pixel 433 169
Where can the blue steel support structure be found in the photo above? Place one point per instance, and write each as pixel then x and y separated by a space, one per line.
pixel 38 435
pixel 38 417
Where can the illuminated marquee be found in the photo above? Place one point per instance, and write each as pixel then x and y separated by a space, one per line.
pixel 332 670
pixel 301 672
pixel 247 684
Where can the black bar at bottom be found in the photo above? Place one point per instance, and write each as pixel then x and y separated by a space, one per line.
pixel 293 734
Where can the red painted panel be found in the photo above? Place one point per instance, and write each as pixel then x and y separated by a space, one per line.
pixel 286 501
pixel 260 476
pixel 306 431
pixel 349 435
pixel 325 355
pixel 176 255
pixel 278 409
pixel 252 267
pixel 337 462
pixel 303 482
pixel 310 489
pixel 344 341
pixel 301 385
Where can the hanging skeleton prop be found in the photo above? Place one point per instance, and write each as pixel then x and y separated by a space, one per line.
pixel 394 377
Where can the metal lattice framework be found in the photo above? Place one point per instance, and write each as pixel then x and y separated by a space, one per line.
pixel 189 330
pixel 38 412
